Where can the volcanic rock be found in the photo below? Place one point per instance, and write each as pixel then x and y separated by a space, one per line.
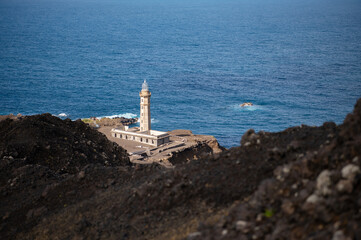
pixel 301 183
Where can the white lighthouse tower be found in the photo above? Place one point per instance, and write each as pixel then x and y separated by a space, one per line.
pixel 143 135
pixel 145 107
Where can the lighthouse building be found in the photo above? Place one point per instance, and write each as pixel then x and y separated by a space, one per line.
pixel 145 124
pixel 143 134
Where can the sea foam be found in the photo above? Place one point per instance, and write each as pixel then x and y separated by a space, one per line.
pixel 62 115
pixel 247 108
pixel 152 120
pixel 125 115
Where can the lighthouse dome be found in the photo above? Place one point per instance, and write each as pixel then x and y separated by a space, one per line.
pixel 145 86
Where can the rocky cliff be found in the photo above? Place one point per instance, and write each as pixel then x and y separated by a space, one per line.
pixel 316 194
pixel 301 183
pixel 195 147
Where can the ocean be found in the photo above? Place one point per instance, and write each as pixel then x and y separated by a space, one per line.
pixel 298 62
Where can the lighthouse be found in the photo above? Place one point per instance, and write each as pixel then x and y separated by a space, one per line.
pixel 143 134
pixel 145 107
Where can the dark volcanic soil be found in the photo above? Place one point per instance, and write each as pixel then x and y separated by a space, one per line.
pixel 62 146
pixel 301 183
pixel 37 153
pixel 315 196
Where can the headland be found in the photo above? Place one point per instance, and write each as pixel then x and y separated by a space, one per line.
pixel 183 147
pixel 62 179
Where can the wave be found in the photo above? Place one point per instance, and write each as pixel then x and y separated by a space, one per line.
pixel 127 115
pixel 247 108
pixel 152 120
pixel 62 115
pixel 124 115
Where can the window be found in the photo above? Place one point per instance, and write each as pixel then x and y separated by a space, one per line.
pixel 142 114
pixel 133 137
pixel 120 135
pixel 146 140
pixel 141 139
pixel 115 135
pixel 152 141
pixel 142 99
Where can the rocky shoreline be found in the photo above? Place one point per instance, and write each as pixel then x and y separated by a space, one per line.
pixel 113 122
pixel 184 146
pixel 61 179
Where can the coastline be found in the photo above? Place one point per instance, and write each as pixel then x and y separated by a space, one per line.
pixel 184 147
pixel 64 179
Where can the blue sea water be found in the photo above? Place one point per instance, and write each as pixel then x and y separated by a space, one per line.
pixel 298 61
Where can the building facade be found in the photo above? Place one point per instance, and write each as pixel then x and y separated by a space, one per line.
pixel 155 138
